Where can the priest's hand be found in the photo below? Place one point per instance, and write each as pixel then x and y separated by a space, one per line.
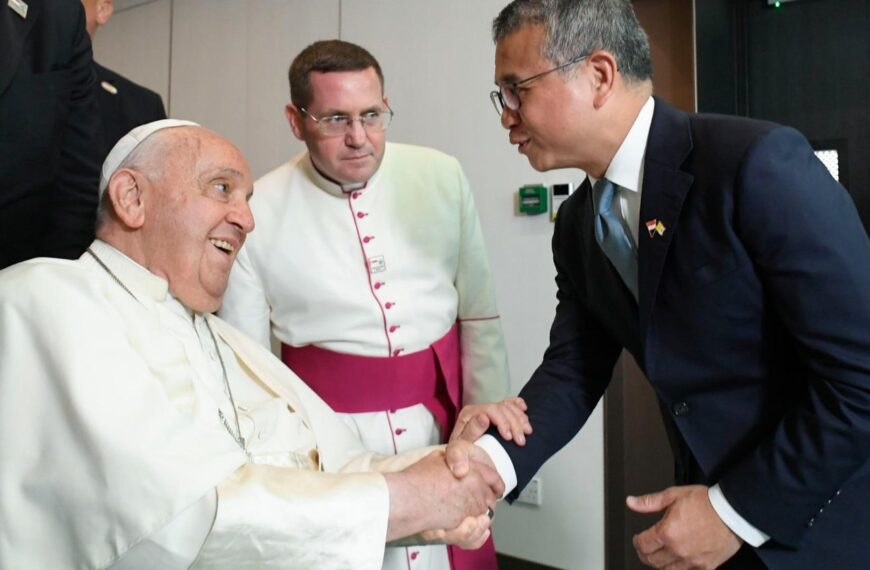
pixel 508 416
pixel 690 535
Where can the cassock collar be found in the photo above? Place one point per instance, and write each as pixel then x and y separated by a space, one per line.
pixel 334 188
pixel 141 282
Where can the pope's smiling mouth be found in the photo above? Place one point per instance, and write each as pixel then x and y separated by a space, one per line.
pixel 222 245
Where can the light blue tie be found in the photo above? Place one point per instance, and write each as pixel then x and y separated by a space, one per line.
pixel 611 235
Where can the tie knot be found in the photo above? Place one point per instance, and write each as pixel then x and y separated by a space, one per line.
pixel 603 193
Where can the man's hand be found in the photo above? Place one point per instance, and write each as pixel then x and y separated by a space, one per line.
pixel 690 535
pixel 470 534
pixel 427 496
pixel 460 456
pixel 508 416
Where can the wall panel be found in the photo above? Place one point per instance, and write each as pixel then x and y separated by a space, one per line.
pixel 229 68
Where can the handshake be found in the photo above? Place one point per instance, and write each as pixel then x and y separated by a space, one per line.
pixel 449 496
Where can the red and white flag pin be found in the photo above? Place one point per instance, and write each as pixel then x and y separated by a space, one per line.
pixel 655 227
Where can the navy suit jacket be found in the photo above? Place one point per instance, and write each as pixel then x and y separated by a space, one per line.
pixel 49 128
pixel 752 325
pixel 123 108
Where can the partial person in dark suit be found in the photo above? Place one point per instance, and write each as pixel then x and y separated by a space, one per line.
pixel 722 255
pixel 124 105
pixel 49 127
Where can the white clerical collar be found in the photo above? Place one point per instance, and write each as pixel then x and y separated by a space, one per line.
pixel 626 168
pixel 137 279
pixel 334 188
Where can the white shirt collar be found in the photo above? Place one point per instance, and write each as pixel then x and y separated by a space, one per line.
pixel 626 168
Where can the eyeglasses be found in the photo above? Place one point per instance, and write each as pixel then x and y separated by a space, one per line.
pixel 507 95
pixel 337 125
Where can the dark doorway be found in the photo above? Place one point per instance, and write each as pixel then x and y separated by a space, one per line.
pixel 805 64
pixel 637 454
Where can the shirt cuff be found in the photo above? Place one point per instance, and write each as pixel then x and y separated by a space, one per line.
pixel 501 460
pixel 733 520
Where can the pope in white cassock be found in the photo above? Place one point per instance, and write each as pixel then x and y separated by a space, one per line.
pixel 139 431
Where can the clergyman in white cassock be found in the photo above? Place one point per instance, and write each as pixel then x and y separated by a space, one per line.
pixel 368 265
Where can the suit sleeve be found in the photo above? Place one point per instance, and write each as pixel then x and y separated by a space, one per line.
pixel 575 371
pixel 72 211
pixel 808 244
pixel 485 376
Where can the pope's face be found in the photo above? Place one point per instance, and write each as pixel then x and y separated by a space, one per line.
pixel 197 218
pixel 354 156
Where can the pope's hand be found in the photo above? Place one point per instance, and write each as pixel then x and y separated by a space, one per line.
pixel 427 496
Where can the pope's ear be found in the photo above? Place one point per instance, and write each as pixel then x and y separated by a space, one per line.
pixel 126 198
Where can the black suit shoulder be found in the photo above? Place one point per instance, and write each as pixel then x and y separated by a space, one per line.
pixel 720 143
pixel 124 105
pixel 49 132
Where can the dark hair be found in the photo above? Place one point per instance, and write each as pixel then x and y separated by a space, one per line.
pixel 325 56
pixel 579 27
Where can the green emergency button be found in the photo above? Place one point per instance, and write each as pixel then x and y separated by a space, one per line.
pixel 533 199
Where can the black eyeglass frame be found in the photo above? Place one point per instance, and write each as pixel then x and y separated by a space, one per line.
pixel 497 97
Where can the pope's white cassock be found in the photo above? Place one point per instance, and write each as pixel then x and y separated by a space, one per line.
pixel 118 438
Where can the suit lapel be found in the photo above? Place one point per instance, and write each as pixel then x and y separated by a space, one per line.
pixel 665 187
pixel 13 37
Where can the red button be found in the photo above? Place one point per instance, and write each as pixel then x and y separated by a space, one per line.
pixel 355 195
pixel 378 285
pixel 414 555
pixel 397 351
pixel 393 328
pixel 367 239
pixel 360 215
pixel 400 431
pixel 389 305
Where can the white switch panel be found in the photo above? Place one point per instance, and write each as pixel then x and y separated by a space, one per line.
pixel 531 495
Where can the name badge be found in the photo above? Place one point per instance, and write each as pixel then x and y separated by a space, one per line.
pixel 19 7
pixel 377 264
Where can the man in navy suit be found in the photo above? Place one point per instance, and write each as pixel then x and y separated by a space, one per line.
pixel 49 126
pixel 724 257
pixel 124 105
